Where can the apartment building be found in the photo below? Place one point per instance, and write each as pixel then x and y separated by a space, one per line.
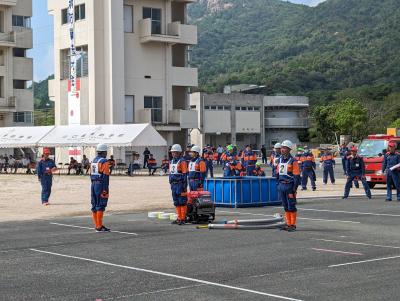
pixel 243 119
pixel 133 65
pixel 16 69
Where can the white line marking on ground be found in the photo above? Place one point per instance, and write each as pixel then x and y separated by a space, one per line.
pixel 349 212
pixel 168 275
pixel 356 243
pixel 80 227
pixel 155 292
pixel 364 261
pixel 302 218
pixel 335 251
pixel 336 197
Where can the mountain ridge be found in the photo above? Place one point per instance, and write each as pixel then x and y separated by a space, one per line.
pixel 337 45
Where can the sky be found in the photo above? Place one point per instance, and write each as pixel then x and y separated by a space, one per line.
pixel 42 52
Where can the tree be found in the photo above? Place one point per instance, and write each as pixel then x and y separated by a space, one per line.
pixel 351 118
pixel 395 124
pixel 323 126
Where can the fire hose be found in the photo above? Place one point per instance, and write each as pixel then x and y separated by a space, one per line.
pixel 252 224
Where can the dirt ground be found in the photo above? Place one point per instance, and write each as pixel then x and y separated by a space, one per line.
pixel 20 196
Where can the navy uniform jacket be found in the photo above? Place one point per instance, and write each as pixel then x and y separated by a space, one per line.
pixel 355 166
pixel 390 160
pixel 44 168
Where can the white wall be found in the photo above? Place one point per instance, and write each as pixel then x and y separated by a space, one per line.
pixel 248 122
pixel 217 121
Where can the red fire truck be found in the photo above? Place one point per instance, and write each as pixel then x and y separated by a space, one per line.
pixel 372 150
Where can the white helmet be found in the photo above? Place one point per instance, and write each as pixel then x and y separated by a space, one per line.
pixel 196 149
pixel 278 145
pixel 176 148
pixel 101 147
pixel 287 143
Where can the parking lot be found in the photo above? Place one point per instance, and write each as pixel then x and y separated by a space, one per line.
pixel 343 250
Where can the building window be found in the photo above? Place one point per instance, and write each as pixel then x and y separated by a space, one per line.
pixel 80 14
pixel 128 18
pixel 155 15
pixel 206 107
pixel 82 64
pixel 23 117
pixel 19 84
pixel 227 108
pixel 193 107
pixel 21 21
pixel 129 109
pixel 64 16
pixel 155 104
pixel 19 52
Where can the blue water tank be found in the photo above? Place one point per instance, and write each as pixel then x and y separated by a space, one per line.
pixel 243 191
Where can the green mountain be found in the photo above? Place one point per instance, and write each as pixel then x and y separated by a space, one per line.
pixel 339 45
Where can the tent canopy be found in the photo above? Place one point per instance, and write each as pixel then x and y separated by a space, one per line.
pixel 117 135
pixel 23 137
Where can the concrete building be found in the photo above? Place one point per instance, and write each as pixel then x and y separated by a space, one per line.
pixel 243 119
pixel 133 66
pixel 16 69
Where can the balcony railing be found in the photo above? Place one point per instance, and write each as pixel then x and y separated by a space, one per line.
pixel 286 101
pixel 7 37
pixel 184 77
pixel 8 2
pixel 175 33
pixel 286 122
pixel 8 104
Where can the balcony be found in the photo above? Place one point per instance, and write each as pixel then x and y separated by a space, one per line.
pixel 8 2
pixel 176 33
pixel 186 119
pixel 286 123
pixel 144 116
pixel 25 99
pixel 23 68
pixel 23 37
pixel 7 39
pixel 184 77
pixel 8 104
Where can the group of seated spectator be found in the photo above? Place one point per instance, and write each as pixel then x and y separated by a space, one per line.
pixel 151 164
pixel 84 167
pixel 11 164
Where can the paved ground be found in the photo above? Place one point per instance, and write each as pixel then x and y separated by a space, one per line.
pixel 71 195
pixel 344 250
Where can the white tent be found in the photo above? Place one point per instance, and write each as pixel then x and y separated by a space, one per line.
pixel 23 137
pixel 115 135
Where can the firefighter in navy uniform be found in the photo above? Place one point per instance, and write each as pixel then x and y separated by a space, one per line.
pixel 258 171
pixel 274 158
pixel 100 178
pixel 197 170
pixel 249 160
pixel 328 164
pixel 46 168
pixel 178 181
pixel 186 156
pixel 208 157
pixel 355 169
pixel 308 169
pixel 391 159
pixel 232 166
pixel 288 176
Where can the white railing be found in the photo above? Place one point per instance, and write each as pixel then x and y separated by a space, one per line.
pixel 7 37
pixel 9 102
